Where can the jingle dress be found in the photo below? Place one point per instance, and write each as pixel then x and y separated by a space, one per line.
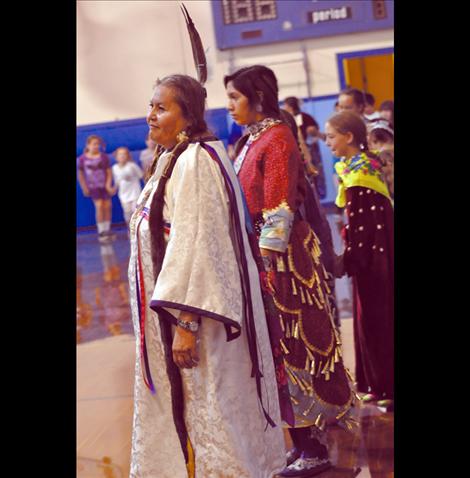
pixel 313 384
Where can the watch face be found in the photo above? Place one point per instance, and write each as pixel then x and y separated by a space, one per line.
pixel 193 326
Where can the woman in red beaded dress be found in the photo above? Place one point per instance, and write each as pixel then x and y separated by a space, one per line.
pixel 369 252
pixel 314 388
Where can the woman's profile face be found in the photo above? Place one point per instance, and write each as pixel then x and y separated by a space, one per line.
pixel 165 117
pixel 239 107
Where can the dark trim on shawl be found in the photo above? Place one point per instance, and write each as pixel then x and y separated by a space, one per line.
pixel 244 278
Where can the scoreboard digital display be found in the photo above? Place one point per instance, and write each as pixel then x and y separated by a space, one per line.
pixel 254 22
pixel 242 11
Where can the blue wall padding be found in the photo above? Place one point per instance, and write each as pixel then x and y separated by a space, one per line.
pixel 132 133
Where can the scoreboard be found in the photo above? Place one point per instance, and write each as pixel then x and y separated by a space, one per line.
pixel 241 23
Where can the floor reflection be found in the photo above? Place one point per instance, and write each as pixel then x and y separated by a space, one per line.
pixel 102 287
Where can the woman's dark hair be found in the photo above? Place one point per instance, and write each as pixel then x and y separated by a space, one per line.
pixel 238 146
pixel 349 122
pixel 290 121
pixel 357 95
pixel 293 102
pixel 253 80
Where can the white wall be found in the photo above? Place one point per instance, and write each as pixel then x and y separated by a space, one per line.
pixel 123 46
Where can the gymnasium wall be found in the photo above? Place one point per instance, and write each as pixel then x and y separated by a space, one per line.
pixel 132 133
pixel 124 46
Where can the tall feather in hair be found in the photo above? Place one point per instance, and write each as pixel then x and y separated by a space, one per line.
pixel 196 44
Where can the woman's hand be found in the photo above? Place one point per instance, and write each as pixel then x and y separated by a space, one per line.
pixel 185 348
pixel 311 169
pixel 268 277
pixel 111 191
pixel 86 192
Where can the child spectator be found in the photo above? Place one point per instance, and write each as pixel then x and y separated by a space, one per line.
pixel 95 177
pixel 368 257
pixel 127 177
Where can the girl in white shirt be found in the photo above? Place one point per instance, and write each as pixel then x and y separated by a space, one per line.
pixel 126 175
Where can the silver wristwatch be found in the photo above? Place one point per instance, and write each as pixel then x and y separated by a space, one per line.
pixel 191 326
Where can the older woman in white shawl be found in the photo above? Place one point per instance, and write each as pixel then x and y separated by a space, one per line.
pixel 206 401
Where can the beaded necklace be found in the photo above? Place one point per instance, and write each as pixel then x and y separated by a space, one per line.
pixel 256 130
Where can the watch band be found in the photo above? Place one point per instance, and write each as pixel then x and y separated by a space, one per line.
pixel 192 326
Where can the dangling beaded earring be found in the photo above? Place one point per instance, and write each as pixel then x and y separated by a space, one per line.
pixel 182 136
